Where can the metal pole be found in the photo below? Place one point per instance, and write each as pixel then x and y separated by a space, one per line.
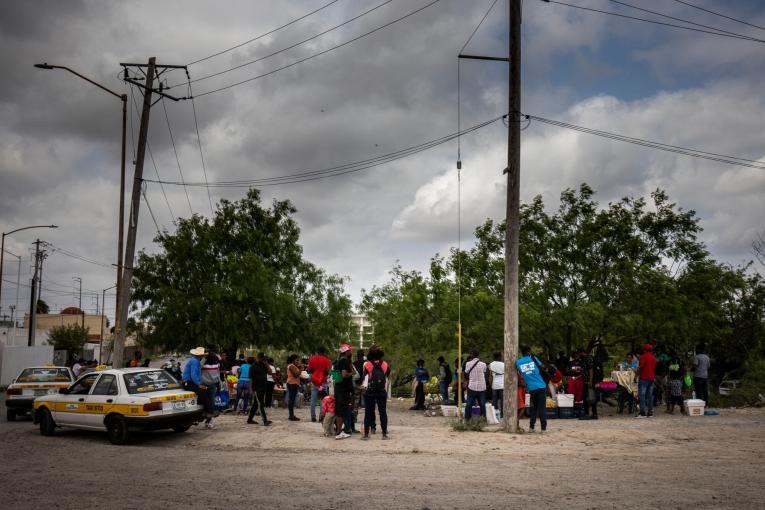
pixel 2 259
pixel 127 270
pixel 510 411
pixel 18 284
pixel 121 240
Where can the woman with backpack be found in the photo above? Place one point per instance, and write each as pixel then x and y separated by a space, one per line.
pixel 376 373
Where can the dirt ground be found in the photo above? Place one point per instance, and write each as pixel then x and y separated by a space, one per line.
pixel 615 462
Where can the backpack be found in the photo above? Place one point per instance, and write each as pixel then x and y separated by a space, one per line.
pixel 377 378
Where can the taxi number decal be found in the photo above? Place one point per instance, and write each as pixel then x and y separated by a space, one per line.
pixel 72 406
pixel 94 408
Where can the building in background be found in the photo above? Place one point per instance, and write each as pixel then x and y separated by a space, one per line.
pixel 362 330
pixel 98 325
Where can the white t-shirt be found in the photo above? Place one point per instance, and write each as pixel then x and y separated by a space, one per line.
pixel 76 369
pixel 498 375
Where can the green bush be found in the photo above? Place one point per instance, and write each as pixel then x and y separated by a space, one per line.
pixel 752 387
pixel 472 425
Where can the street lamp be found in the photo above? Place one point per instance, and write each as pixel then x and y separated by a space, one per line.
pixel 123 98
pixel 2 248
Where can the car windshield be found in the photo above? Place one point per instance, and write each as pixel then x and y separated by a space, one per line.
pixel 145 382
pixel 40 375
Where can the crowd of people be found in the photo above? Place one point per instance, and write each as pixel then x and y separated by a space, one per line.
pixel 337 388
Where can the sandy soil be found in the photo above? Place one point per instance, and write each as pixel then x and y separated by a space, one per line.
pixel 618 461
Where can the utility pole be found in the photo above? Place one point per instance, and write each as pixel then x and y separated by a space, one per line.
pixel 512 219
pixel 33 298
pixel 147 83
pixel 79 301
pixel 512 214
pixel 43 256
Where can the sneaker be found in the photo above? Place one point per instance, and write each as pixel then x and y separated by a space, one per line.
pixel 293 418
pixel 209 425
pixel 639 416
pixel 250 422
pixel 650 415
pixel 385 437
pixel 267 423
pixel 342 435
pixel 354 431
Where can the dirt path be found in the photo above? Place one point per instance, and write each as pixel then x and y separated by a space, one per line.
pixel 666 462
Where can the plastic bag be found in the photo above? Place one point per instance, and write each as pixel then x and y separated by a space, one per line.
pixel 221 400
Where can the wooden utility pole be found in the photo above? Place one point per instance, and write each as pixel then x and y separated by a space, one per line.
pixel 147 84
pixel 33 298
pixel 512 218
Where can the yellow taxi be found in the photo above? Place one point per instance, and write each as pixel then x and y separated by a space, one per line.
pixel 31 383
pixel 118 401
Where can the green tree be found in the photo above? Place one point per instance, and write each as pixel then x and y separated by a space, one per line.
pixel 70 338
pixel 239 279
pixel 42 307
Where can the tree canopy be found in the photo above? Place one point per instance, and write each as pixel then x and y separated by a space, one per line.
pixel 70 338
pixel 239 279
pixel 622 274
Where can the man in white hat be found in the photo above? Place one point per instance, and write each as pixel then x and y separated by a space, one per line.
pixel 192 376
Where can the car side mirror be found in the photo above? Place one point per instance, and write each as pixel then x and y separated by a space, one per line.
pixel 64 391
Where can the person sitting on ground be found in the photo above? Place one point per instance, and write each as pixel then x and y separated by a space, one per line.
pixel 529 368
pixel 421 376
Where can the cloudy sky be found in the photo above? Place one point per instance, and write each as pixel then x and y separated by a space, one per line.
pixel 59 136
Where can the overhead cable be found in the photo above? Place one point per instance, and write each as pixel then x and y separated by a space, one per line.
pixel 357 166
pixel 712 156
pixel 175 151
pixel 259 59
pixel 264 34
pixel 366 34
pixel 719 14
pixel 634 18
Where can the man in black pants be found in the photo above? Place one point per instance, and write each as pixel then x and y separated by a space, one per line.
pixel 529 368
pixel 258 384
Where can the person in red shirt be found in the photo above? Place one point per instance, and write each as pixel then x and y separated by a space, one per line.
pixel 647 374
pixel 319 366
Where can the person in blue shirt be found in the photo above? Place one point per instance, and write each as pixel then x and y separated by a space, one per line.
pixel 421 376
pixel 529 367
pixel 192 377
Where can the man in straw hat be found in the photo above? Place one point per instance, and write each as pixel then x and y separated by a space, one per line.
pixel 192 379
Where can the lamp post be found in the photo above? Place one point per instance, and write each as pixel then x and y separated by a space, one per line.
pixel 2 247
pixel 121 235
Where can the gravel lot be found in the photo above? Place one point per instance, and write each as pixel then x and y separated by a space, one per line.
pixel 618 461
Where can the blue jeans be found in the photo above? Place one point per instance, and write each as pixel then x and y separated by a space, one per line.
pixel 292 391
pixel 243 393
pixel 443 388
pixel 314 400
pixel 472 397
pixel 645 391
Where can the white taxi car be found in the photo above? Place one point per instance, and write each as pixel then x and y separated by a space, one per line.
pixel 118 401
pixel 34 382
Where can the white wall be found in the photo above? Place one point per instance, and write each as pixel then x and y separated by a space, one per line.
pixel 7 338
pixel 15 358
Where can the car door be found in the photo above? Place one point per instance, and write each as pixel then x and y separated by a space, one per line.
pixel 70 409
pixel 100 400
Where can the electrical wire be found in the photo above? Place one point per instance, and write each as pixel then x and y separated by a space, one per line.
pixel 58 249
pixel 259 59
pixel 366 34
pixel 151 156
pixel 175 151
pixel 719 14
pixel 634 18
pixel 712 156
pixel 263 35
pixel 148 206
pixel 618 2
pixel 347 168
pixel 199 141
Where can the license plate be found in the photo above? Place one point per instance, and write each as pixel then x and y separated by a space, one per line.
pixel 40 392
pixel 179 405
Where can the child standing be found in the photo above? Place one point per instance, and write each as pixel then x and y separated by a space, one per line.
pixel 327 416
pixel 675 389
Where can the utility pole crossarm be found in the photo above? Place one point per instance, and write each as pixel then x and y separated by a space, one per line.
pixel 481 57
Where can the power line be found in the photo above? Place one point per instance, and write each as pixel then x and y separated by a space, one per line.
pixel 319 53
pixel 479 25
pixel 291 46
pixel 175 151
pixel 712 156
pixel 618 2
pixel 356 166
pixel 148 206
pixel 151 156
pixel 262 35
pixel 199 141
pixel 57 249
pixel 610 13
pixel 719 14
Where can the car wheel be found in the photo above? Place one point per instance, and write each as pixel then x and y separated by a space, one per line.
pixel 117 430
pixel 181 428
pixel 47 425
pixel 10 414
